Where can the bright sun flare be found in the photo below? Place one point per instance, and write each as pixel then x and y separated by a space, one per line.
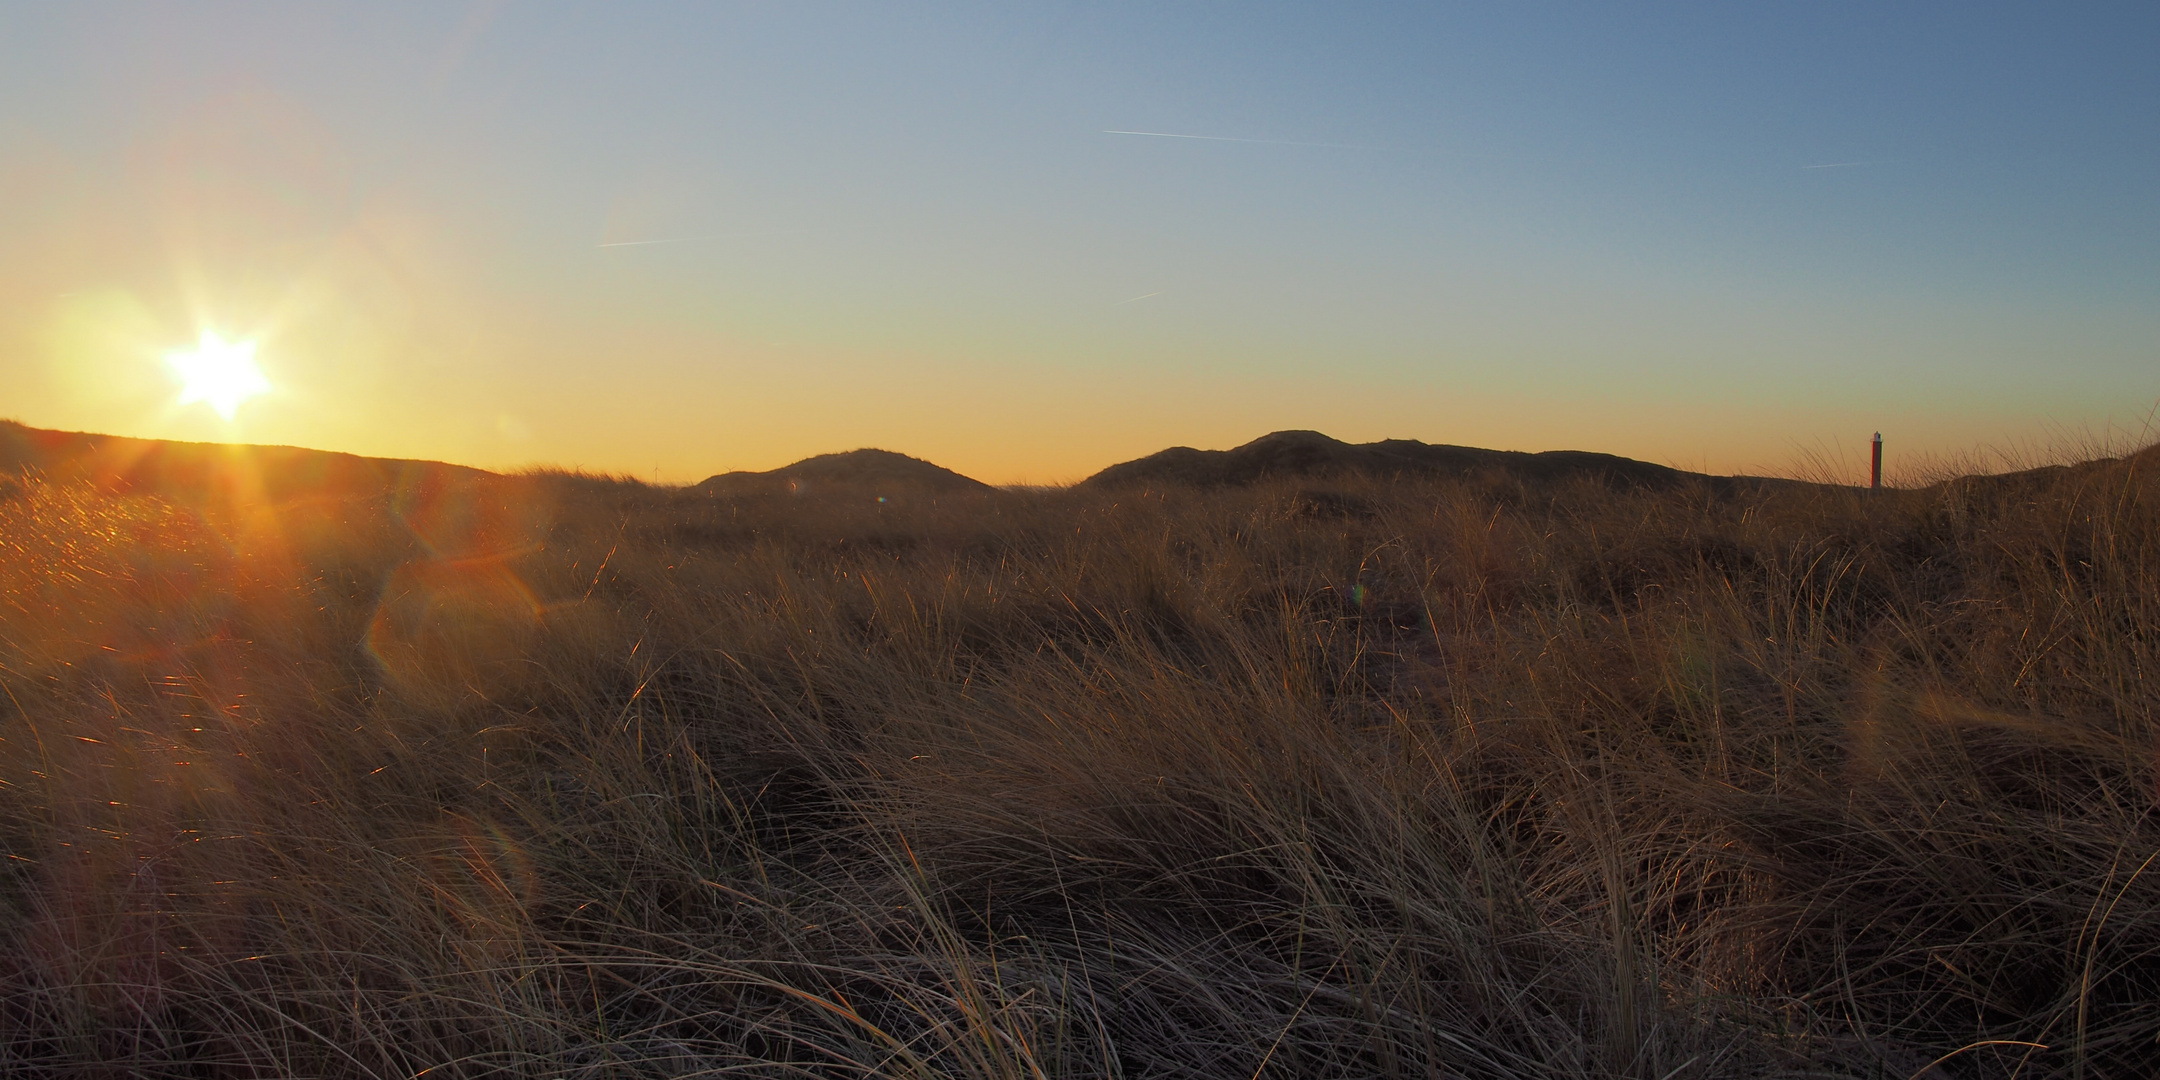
pixel 219 373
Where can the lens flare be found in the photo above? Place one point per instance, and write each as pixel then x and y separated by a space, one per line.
pixel 218 373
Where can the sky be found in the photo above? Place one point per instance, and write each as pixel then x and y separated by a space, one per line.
pixel 1027 241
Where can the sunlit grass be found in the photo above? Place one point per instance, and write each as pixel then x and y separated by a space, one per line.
pixel 556 775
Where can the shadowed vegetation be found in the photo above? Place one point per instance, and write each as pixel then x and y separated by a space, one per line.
pixel 1458 776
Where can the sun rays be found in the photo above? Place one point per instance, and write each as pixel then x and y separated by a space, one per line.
pixel 221 374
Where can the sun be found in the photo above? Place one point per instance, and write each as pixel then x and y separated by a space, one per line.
pixel 218 373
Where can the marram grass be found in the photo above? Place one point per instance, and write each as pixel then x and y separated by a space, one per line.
pixel 560 776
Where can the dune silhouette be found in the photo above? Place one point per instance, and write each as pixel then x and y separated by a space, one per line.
pixel 189 471
pixel 1310 454
pixel 855 472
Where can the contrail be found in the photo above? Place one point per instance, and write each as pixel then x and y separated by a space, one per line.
pixel 700 236
pixel 1838 165
pixel 639 243
pixel 1220 138
pixel 1142 296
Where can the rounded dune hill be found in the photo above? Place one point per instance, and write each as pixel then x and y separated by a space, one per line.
pixel 1310 454
pixel 854 472
pixel 191 471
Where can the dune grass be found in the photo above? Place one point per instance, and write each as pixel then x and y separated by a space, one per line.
pixel 557 775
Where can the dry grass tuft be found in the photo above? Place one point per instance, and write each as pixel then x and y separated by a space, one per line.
pixel 558 775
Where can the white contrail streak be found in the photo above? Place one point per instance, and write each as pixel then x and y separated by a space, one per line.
pixel 701 236
pixel 641 243
pixel 1142 296
pixel 1221 138
pixel 1838 165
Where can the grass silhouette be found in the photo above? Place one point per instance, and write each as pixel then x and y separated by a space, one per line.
pixel 560 775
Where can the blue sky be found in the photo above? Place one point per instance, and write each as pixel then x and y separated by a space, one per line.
pixel 676 239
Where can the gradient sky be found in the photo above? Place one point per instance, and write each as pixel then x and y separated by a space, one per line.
pixel 675 239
